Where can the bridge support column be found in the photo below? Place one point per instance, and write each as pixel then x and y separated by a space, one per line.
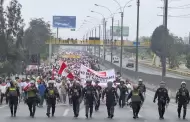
pixel 50 52
pixel 99 51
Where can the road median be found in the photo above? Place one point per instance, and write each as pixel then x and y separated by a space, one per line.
pixel 183 73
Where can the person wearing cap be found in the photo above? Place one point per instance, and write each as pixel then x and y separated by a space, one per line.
pixel 51 93
pixel 111 98
pixel 123 90
pixel 31 99
pixel 163 99
pixel 13 94
pixel 136 100
pixel 182 98
pixel 89 95
pixel 99 92
pixel 142 87
pixel 76 94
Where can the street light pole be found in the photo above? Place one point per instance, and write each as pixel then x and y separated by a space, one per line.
pixel 105 22
pixel 112 40
pixel 121 52
pixel 100 39
pixel 137 36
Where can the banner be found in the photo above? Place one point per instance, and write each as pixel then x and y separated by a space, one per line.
pixel 102 76
pixel 71 56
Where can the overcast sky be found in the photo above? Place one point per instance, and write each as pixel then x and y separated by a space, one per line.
pixel 149 12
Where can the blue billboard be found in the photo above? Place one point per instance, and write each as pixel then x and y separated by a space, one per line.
pixel 64 21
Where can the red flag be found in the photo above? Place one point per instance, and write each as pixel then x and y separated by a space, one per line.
pixel 63 66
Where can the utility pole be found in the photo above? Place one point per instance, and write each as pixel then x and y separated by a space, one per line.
pixel 137 37
pixel 189 37
pixel 165 23
pixel 121 51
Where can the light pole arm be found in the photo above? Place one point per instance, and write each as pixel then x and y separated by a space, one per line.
pixel 118 4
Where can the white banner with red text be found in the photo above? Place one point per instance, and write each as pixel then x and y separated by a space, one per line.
pixel 102 76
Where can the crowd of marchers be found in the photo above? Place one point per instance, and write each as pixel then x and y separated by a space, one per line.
pixel 33 92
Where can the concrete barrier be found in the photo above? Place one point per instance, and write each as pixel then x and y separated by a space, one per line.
pixel 153 80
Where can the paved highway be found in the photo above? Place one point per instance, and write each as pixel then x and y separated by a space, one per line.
pixel 147 70
pixel 63 113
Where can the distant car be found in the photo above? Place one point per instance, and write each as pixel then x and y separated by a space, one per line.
pixel 115 59
pixel 130 63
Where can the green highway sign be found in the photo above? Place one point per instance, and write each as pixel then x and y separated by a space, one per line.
pixel 72 29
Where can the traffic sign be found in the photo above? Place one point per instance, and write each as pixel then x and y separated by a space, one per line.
pixel 72 29
pixel 64 21
pixel 135 43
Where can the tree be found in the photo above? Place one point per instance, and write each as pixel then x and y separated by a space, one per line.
pixel 36 35
pixel 161 43
pixel 11 33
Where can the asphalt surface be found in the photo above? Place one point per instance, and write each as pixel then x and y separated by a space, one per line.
pixel 148 113
pixel 146 69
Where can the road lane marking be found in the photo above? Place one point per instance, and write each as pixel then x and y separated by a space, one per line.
pixel 66 112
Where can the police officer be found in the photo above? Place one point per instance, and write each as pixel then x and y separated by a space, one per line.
pixel 182 98
pixel 136 99
pixel 99 92
pixel 51 93
pixel 163 99
pixel 142 87
pixel 76 93
pixel 13 94
pixel 89 95
pixel 111 98
pixel 31 97
pixel 123 90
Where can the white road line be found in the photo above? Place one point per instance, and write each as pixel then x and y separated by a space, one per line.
pixel 3 106
pixel 66 112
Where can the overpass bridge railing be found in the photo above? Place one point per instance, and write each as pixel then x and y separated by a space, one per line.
pixel 95 43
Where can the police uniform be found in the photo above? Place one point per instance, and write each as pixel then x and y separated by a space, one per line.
pixel 13 96
pixel 89 94
pixel 182 98
pixel 31 99
pixel 111 100
pixel 75 93
pixel 163 99
pixel 137 100
pixel 51 93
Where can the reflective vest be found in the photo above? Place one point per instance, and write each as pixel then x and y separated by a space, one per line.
pixel 135 96
pixel 12 91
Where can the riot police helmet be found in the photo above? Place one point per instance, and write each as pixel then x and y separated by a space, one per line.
pixel 183 83
pixel 162 84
